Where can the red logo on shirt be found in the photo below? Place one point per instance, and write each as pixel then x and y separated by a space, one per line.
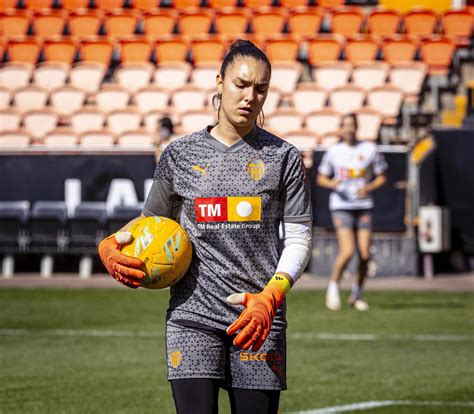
pixel 212 209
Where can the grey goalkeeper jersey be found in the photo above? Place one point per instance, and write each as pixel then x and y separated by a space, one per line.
pixel 230 200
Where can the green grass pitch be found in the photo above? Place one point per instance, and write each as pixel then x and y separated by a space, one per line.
pixel 102 351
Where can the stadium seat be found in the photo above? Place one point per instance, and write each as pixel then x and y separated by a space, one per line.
pixel 10 120
pixel 151 98
pixel 23 51
pixel 111 97
pixel 87 120
pixel 62 51
pixel 329 138
pixel 40 121
pixel 8 4
pixel 97 51
pixel 304 23
pixel 220 4
pixel 324 121
pixel 309 97
pixel 172 75
pixel 409 77
pixel 188 98
pixel 420 23
pixel 13 225
pixel 369 122
pixel 303 139
pixel 47 23
pixel 267 22
pixel 67 99
pixel 84 23
pixel 87 76
pixel 51 75
pixel 323 49
pixel 171 50
pixel 152 118
pixel 285 76
pixel 109 5
pixel 399 50
pixel 205 51
pixel 30 97
pixel 437 54
pixel 284 120
pixel 332 75
pixel 95 140
pixel 204 76
pixel 60 138
pixel 361 50
pixel 330 4
pixel 195 120
pixel 370 75
pixel 272 102
pixel 74 5
pixel 383 22
pixel 13 138
pixel 181 4
pixel 253 4
pixel 386 100
pixel 134 76
pixel 346 99
pixel 145 5
pixel 161 22
pixel 120 24
pixel 139 139
pixel 231 22
pixel 5 97
pixel 457 25
pixel 282 49
pixel 120 216
pixel 14 23
pixel 347 21
pixel 38 4
pixel 121 120
pixel 194 22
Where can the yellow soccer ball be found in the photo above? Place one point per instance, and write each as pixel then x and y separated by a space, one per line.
pixel 165 248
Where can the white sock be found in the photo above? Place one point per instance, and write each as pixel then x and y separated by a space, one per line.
pixel 333 288
pixel 356 291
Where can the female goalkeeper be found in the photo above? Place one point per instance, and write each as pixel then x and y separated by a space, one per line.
pixel 230 186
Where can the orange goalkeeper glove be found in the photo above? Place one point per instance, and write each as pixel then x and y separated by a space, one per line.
pixel 255 322
pixel 124 269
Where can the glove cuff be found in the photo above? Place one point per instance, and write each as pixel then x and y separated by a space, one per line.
pixel 280 282
pixel 276 290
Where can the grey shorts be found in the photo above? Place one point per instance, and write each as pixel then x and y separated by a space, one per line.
pixel 352 219
pixel 195 350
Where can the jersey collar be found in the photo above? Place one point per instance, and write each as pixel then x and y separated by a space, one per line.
pixel 221 147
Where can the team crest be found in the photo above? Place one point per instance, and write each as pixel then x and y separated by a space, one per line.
pixel 175 358
pixel 256 170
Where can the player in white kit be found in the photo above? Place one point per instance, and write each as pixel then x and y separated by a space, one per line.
pixel 352 170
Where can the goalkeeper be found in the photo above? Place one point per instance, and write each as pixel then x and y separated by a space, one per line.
pixel 234 187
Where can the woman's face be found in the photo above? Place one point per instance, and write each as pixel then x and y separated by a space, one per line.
pixel 243 90
pixel 348 128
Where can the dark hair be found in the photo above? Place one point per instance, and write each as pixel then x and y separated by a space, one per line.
pixel 354 118
pixel 166 122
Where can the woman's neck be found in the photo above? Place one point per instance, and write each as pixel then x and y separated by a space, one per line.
pixel 228 134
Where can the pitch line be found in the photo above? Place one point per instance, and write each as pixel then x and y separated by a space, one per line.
pixel 366 405
pixel 292 336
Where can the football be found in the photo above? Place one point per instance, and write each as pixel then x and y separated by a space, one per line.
pixel 165 248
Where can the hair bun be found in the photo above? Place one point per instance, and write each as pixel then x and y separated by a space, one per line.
pixel 241 43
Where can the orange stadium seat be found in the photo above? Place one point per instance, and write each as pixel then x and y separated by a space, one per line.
pixel 63 51
pixel 253 4
pixel 109 5
pixel 267 22
pixel 60 138
pixel 323 50
pixel 121 120
pixel 134 75
pixel 25 51
pixel 181 4
pixel 369 122
pixel 159 23
pixel 15 75
pixel 370 75
pixel 67 100
pixel 37 4
pixel 305 22
pixel 188 98
pixel 282 49
pixel 272 102
pixel 220 4
pixel 399 50
pixel 151 98
pixel 383 22
pixel 332 75
pixel 309 97
pixel 14 23
pixel 87 120
pixel 409 77
pixel 145 5
pixel 284 120
pixel 136 139
pixel 10 119
pixel 8 4
pixel 330 4
pixel 347 21
pixel 99 139
pixel 420 23
pixel 99 51
pixel 39 122
pixel 194 120
pixel 74 5
pixel 285 75
pixel 5 97
pixel 193 22
pixel 112 97
pixel 231 21
pixel 387 100
pixel 172 75
pixel 437 54
pixel 48 23
pixel 204 75
pixel 171 50
pixel 209 50
pixel 120 24
pixel 30 97
pixel 293 3
pixel 347 99
pixel 457 25
pixel 360 50
pixel 15 139
pixel 84 23
pixel 87 76
pixel 135 50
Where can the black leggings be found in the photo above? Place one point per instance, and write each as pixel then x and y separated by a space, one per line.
pixel 201 396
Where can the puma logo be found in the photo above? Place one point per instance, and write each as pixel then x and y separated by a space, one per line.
pixel 199 169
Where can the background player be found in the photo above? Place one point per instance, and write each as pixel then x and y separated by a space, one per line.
pixel 230 186
pixel 352 170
